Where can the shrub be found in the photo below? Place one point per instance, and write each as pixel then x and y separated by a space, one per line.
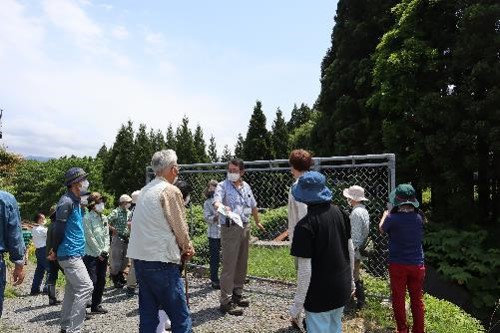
pixel 201 248
pixel 196 221
pixel 274 220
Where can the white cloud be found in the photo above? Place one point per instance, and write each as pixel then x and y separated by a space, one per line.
pixel 106 6
pixel 155 43
pixel 120 32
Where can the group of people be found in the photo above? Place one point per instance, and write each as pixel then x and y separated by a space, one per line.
pixel 326 243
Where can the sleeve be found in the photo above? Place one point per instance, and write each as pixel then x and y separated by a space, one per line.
pixel 303 281
pixel 175 213
pixel 303 240
pixel 357 223
pixel 106 236
pixel 251 199
pixel 219 193
pixel 112 217
pixel 90 239
pixel 63 212
pixel 208 212
pixel 13 235
pixel 387 223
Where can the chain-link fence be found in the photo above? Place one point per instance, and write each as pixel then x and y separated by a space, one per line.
pixel 270 182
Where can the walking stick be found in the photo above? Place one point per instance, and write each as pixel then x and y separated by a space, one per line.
pixel 186 283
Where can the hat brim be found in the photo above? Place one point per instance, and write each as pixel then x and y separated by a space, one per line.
pixel 311 196
pixel 396 203
pixel 346 194
pixel 77 179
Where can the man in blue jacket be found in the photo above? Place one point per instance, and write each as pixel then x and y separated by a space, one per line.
pixel 68 245
pixel 11 241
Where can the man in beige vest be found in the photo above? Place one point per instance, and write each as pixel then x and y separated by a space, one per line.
pixel 159 240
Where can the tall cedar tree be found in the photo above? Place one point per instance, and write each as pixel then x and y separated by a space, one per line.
pixel 279 136
pixel 258 141
pixel 143 150
pixel 157 140
pixel 212 150
pixel 347 125
pixel 200 146
pixel 186 151
pixel 239 148
pixel 170 138
pixel 102 154
pixel 300 116
pixel 226 154
pixel 120 168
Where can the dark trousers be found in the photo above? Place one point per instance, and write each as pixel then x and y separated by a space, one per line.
pixel 3 281
pixel 42 267
pixel 53 272
pixel 97 272
pixel 214 247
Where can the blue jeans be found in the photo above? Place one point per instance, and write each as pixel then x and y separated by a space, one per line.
pixel 160 287
pixel 42 266
pixel 214 247
pixel 325 322
pixel 3 281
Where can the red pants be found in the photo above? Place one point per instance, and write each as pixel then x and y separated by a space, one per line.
pixel 411 277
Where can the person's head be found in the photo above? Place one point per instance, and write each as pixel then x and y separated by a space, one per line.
pixel 210 190
pixel 135 196
pixel 76 181
pixel 403 196
pixel 96 202
pixel 354 195
pixel 311 189
pixel 125 201
pixel 185 189
pixel 235 169
pixel 40 219
pixel 164 164
pixel 300 161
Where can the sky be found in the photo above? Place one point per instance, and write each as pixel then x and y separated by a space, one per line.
pixel 73 71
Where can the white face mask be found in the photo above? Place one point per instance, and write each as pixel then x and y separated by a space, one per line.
pixel 233 177
pixel 84 200
pixel 84 185
pixel 128 205
pixel 186 201
pixel 99 207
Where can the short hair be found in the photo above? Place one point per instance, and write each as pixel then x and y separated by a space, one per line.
pixel 38 216
pixel 184 187
pixel 300 160
pixel 212 182
pixel 238 162
pixel 162 160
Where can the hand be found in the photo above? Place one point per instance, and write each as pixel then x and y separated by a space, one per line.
pixel 18 275
pixel 52 255
pixel 353 289
pixel 260 226
pixel 188 254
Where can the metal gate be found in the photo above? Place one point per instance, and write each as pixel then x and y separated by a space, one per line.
pixel 270 182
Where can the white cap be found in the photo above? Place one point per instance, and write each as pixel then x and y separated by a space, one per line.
pixel 125 198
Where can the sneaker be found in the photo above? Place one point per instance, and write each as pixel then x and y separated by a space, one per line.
pixel 216 285
pixel 240 301
pixel 34 293
pixel 231 308
pixel 98 310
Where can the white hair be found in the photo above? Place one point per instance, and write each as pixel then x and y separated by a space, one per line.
pixel 162 160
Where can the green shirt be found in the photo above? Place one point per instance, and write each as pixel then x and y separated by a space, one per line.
pixel 118 219
pixel 96 233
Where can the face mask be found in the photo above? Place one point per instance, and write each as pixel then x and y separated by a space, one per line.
pixel 210 194
pixel 84 185
pixel 186 201
pixel 128 205
pixel 233 177
pixel 99 207
pixel 84 200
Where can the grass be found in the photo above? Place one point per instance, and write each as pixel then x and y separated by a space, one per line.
pixel 274 263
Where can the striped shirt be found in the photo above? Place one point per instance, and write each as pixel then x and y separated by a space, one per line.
pixel 240 200
pixel 212 218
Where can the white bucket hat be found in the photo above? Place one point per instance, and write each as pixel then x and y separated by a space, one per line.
pixel 355 192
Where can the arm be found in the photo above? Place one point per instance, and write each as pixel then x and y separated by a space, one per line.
pixel 218 195
pixel 350 247
pixel 382 222
pixel 112 218
pixel 14 241
pixel 356 229
pixel 255 214
pixel 106 238
pixel 209 213
pixel 303 281
pixel 63 212
pixel 175 213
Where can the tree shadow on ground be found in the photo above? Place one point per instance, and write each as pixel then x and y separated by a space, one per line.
pixel 205 315
pixel 50 318
pixel 31 308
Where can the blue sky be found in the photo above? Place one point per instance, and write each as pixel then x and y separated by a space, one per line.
pixel 74 70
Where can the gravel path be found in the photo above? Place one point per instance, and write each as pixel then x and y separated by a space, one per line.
pixel 267 311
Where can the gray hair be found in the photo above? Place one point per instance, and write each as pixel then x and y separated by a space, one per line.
pixel 162 160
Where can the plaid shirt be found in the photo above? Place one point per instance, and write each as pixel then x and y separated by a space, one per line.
pixel 212 218
pixel 236 199
pixel 360 225
pixel 118 219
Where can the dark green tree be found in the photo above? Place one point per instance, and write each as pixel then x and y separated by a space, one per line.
pixel 226 154
pixel 200 146
pixel 347 124
pixel 143 150
pixel 120 169
pixel 279 136
pixel 258 141
pixel 212 150
pixel 239 148
pixel 186 150
pixel 103 152
pixel 170 141
pixel 157 140
pixel 299 116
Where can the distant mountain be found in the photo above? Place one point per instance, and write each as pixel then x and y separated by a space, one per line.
pixel 38 158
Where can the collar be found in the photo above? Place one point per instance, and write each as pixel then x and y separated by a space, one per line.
pixel 73 197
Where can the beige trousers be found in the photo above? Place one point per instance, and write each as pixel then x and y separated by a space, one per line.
pixel 119 258
pixel 234 243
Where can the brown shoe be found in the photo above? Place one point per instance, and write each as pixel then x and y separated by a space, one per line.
pixel 231 308
pixel 240 301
